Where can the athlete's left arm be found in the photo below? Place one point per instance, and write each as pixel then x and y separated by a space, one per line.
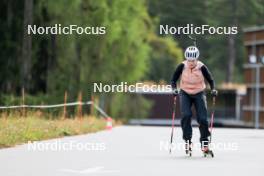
pixel 208 76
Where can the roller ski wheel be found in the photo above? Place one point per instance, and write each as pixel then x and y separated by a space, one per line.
pixel 188 148
pixel 207 152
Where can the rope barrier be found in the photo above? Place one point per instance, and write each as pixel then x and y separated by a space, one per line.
pixel 56 106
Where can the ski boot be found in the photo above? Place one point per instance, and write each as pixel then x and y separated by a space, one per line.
pixel 206 151
pixel 188 148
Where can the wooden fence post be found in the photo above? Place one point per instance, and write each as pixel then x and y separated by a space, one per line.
pixel 64 108
pixel 80 105
pixel 23 102
pixel 92 106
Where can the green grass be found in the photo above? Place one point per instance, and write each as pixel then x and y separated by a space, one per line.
pixel 19 130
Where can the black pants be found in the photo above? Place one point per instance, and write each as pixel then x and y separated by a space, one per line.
pixel 200 104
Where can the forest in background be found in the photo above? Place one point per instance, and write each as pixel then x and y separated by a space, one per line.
pixel 132 51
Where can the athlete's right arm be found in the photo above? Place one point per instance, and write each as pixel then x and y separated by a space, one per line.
pixel 176 75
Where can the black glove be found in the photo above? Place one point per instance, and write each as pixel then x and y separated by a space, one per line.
pixel 214 93
pixel 175 92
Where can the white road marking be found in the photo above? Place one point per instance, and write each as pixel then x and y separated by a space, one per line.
pixel 98 170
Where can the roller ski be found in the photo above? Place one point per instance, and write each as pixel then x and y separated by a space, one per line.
pixel 188 148
pixel 207 152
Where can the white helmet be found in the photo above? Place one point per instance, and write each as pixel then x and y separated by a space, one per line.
pixel 192 53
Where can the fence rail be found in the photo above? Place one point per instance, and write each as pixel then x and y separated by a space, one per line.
pixel 103 113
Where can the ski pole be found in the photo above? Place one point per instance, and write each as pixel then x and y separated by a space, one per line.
pixel 212 120
pixel 173 117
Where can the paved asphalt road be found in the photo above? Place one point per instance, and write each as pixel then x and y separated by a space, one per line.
pixel 135 150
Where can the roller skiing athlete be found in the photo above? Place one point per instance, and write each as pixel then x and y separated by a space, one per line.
pixel 192 74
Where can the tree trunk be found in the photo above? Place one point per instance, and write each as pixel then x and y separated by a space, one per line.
pixel 232 45
pixel 78 64
pixel 232 58
pixel 52 60
pixel 27 45
pixel 8 84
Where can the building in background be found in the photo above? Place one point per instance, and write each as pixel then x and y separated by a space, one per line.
pixel 227 110
pixel 253 108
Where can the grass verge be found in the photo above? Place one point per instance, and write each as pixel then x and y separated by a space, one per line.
pixel 19 130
